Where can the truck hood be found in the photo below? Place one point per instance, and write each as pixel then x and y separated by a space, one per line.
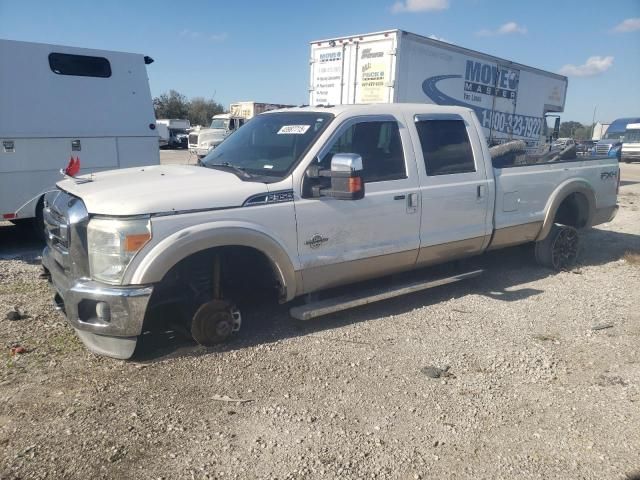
pixel 214 135
pixel 160 189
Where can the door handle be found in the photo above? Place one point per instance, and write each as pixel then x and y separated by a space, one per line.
pixel 412 201
pixel 480 191
pixel 399 197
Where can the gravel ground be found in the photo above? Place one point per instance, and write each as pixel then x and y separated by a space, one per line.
pixel 538 376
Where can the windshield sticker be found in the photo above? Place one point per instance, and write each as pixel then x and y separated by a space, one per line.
pixel 268 166
pixel 293 129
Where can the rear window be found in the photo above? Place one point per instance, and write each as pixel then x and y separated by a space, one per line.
pixel 79 65
pixel 445 147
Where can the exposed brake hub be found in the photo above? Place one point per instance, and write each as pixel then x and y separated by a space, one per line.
pixel 214 321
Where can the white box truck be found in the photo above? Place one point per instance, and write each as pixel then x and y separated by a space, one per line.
pixel 59 102
pixel 177 131
pixel 249 110
pixel 511 100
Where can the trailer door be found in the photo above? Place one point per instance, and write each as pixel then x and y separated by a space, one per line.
pixel 374 70
pixel 327 70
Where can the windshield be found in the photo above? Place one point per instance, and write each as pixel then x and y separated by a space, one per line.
pixel 613 136
pixel 222 123
pixel 632 136
pixel 270 144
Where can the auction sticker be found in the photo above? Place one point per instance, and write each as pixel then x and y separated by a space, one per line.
pixel 293 129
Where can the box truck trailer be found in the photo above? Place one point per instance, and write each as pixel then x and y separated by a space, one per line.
pixel 59 102
pixel 177 131
pixel 510 99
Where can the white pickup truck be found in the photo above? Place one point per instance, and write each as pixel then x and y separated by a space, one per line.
pixel 301 200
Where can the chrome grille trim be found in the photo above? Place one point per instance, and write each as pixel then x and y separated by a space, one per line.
pixel 603 149
pixel 66 220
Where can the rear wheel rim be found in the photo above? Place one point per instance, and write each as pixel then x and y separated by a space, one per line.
pixel 565 249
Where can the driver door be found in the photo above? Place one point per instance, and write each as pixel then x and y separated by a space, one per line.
pixel 342 241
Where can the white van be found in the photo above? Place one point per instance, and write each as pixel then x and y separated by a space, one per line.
pixel 60 102
pixel 631 143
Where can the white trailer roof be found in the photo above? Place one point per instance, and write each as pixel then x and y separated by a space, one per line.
pixel 441 44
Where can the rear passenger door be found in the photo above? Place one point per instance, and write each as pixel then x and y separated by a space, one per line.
pixel 456 220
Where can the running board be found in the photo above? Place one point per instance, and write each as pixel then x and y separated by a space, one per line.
pixel 332 305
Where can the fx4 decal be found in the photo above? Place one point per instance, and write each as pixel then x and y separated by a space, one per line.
pixel 609 175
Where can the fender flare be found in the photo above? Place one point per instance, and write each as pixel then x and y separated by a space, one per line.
pixel 560 195
pixel 163 256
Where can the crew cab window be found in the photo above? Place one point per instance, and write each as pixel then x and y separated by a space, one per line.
pixel 79 65
pixel 379 145
pixel 445 147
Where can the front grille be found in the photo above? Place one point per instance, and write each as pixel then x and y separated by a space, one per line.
pixel 602 149
pixel 193 139
pixel 65 221
pixel 56 226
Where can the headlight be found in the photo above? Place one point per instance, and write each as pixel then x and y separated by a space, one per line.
pixel 112 244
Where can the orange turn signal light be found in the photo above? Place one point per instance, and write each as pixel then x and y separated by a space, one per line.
pixel 133 243
pixel 354 185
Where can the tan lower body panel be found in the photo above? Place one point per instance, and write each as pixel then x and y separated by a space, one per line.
pixel 336 274
pixel 516 235
pixel 444 252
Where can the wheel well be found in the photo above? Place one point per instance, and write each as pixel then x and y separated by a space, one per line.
pixel 573 211
pixel 246 275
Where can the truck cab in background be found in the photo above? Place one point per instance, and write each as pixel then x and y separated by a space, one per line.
pixel 201 142
pixel 631 144
pixel 206 139
pixel 611 143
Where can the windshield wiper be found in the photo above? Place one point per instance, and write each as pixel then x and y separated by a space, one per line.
pixel 239 170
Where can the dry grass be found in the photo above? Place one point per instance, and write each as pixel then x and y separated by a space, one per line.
pixel 632 258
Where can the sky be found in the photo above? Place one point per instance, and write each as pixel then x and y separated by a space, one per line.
pixel 259 50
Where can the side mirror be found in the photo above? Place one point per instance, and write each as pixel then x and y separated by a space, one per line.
pixel 345 175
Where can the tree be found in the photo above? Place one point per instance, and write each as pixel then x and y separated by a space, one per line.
pixel 201 110
pixel 568 129
pixel 171 105
pixel 198 110
pixel 583 133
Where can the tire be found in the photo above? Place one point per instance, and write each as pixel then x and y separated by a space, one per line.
pixel 559 251
pixel 38 221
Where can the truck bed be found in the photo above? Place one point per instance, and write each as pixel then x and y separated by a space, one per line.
pixel 526 188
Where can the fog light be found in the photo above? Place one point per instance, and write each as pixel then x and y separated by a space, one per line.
pixel 103 311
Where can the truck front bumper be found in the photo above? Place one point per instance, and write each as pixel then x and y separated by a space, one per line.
pixel 107 319
pixel 200 151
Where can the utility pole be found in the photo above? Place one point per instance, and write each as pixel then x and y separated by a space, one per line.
pixel 593 121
